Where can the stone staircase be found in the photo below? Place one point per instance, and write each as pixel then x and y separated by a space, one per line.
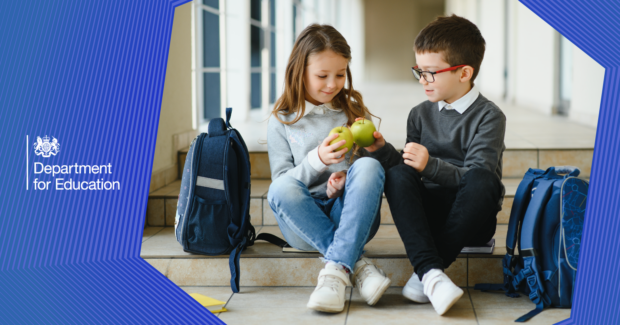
pixel 263 263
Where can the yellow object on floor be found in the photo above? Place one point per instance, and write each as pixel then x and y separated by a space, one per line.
pixel 213 305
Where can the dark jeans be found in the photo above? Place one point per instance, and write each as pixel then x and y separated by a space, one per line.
pixel 435 223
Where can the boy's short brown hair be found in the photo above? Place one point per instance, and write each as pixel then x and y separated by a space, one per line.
pixel 457 38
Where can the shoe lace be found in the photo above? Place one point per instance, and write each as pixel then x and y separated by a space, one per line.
pixel 362 274
pixel 331 282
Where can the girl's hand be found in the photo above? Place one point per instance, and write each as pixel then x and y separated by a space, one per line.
pixel 379 140
pixel 326 151
pixel 335 184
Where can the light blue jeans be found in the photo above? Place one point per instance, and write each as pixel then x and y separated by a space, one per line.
pixel 338 228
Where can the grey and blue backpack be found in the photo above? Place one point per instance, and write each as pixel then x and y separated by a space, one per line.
pixel 546 221
pixel 213 215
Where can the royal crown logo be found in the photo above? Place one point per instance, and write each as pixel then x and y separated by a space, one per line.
pixel 43 147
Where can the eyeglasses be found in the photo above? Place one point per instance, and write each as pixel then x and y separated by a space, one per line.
pixel 430 76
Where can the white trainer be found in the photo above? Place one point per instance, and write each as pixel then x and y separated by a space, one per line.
pixel 440 290
pixel 370 280
pixel 414 290
pixel 328 296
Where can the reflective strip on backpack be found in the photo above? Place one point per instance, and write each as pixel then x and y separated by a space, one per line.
pixel 217 184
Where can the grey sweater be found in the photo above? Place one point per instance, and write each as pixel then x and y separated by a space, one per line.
pixel 293 149
pixel 455 142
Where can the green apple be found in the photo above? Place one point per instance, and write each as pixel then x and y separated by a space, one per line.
pixel 362 131
pixel 344 134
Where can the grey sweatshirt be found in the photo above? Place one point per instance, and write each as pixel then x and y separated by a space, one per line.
pixel 455 142
pixel 293 149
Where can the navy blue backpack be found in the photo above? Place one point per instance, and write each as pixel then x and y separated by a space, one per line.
pixel 546 221
pixel 213 213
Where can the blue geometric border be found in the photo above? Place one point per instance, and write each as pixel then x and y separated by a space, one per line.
pixel 89 74
pixel 594 27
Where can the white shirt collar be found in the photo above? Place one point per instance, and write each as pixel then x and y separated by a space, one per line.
pixel 318 109
pixel 463 103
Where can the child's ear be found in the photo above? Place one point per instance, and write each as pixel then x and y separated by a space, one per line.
pixel 467 73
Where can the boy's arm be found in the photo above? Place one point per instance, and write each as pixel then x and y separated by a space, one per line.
pixel 281 157
pixel 484 152
pixel 387 155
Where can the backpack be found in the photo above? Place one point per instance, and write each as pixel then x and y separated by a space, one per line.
pixel 546 221
pixel 213 211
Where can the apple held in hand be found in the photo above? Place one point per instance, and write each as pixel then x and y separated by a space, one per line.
pixel 362 131
pixel 344 134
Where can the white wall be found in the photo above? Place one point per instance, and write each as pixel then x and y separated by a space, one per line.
pixel 176 107
pixel 237 55
pixel 588 77
pixel 492 25
pixel 532 60
pixel 350 22
pixel 390 31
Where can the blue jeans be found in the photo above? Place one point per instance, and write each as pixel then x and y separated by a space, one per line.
pixel 338 228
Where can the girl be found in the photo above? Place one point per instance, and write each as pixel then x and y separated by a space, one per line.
pixel 324 199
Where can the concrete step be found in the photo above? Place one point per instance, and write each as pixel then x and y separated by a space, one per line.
pixel 266 265
pixel 162 204
pixel 515 161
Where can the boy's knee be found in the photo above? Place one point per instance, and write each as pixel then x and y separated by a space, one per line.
pixel 401 173
pixel 481 178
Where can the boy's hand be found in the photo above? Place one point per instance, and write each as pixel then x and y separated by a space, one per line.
pixel 379 140
pixel 326 151
pixel 416 156
pixel 335 184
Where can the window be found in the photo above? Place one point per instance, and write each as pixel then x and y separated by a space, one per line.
pixel 211 67
pixel 262 52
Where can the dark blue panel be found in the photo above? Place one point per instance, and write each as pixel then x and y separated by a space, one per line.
pixel 212 3
pixel 273 50
pixel 210 39
pixel 255 9
pixel 294 23
pixel 272 88
pixel 256 45
pixel 211 99
pixel 272 12
pixel 256 92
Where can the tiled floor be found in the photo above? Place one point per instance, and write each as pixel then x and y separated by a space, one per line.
pixel 525 129
pixel 287 305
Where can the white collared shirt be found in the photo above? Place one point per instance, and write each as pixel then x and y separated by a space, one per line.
pixel 462 104
pixel 320 109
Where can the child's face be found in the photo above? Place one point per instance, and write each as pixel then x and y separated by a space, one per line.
pixel 449 85
pixel 325 76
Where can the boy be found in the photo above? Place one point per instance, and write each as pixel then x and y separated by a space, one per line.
pixel 444 188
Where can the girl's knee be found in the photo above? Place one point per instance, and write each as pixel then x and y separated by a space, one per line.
pixel 369 165
pixel 284 187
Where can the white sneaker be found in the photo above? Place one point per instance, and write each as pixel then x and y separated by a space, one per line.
pixel 329 293
pixel 440 290
pixel 370 280
pixel 414 290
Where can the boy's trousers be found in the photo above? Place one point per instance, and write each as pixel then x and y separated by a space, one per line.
pixel 435 223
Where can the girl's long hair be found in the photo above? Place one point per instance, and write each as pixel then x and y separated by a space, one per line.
pixel 312 40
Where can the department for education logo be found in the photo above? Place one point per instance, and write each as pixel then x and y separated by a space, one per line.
pixel 43 147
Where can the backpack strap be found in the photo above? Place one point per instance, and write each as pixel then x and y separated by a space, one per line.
pixel 529 249
pixel 272 239
pixel 233 262
pixel 519 206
